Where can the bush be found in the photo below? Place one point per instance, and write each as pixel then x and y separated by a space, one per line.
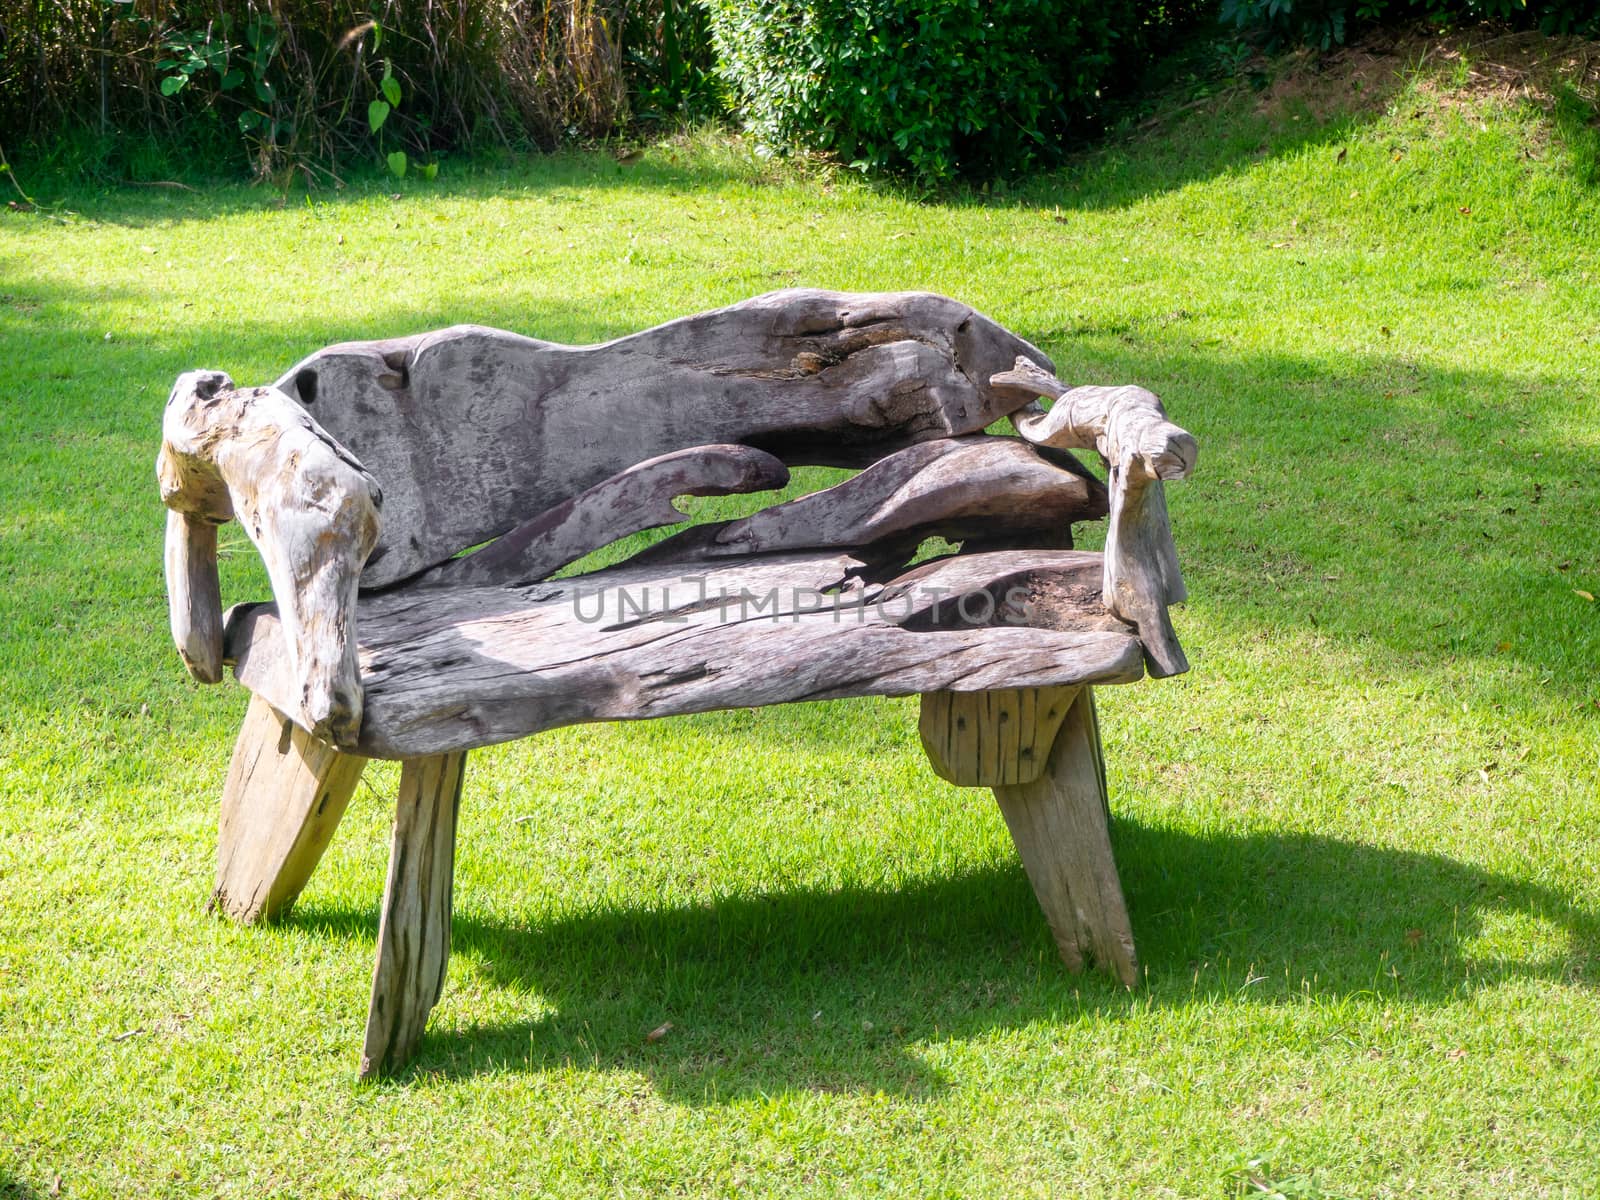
pixel 931 88
pixel 670 63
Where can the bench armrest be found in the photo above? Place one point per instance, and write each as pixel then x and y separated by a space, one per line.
pixel 1141 448
pixel 308 506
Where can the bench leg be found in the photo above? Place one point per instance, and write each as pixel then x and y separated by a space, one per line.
pixel 414 929
pixel 1060 824
pixel 285 794
pixel 984 739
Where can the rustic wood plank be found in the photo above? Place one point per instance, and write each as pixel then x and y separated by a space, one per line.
pixel 310 509
pixel 475 430
pixel 1141 448
pixel 414 928
pixel 1060 825
pixel 638 498
pixel 453 668
pixel 285 793
pixel 964 733
pixel 994 738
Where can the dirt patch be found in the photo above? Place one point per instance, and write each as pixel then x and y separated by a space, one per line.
pixel 1464 69
pixel 1472 68
pixel 1349 81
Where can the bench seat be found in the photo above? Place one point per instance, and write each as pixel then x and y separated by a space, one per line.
pixel 457 667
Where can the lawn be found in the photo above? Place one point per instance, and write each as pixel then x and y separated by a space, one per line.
pixel 1358 839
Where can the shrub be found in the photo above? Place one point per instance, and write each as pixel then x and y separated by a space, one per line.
pixel 670 63
pixel 931 88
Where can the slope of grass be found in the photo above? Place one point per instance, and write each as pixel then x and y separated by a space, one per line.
pixel 1358 839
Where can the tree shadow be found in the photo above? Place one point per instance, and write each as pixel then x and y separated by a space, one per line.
pixel 1397 506
pixel 557 178
pixel 1383 501
pixel 1309 101
pixel 1315 101
pixel 31 304
pixel 833 989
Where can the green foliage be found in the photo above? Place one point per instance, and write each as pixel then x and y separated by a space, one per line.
pixel 1315 22
pixel 292 85
pixel 1326 23
pixel 669 61
pixel 1253 1180
pixel 237 72
pixel 931 88
pixel 378 116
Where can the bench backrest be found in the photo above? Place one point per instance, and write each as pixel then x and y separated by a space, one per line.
pixel 470 431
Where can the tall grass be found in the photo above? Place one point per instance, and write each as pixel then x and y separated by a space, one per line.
pixel 285 85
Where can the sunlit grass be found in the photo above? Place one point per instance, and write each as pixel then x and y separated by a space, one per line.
pixel 1358 839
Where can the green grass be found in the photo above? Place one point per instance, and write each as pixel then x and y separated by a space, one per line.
pixel 1358 839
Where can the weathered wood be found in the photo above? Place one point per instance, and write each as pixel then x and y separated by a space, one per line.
pixel 453 668
pixel 475 430
pixel 414 928
pixel 194 594
pixel 987 490
pixel 986 739
pixel 638 498
pixel 385 643
pixel 1060 824
pixel 285 794
pixel 308 506
pixel 1141 448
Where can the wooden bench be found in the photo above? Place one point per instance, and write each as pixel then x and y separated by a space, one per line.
pixel 496 460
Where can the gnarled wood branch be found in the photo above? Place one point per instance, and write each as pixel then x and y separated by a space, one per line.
pixel 1141 448
pixel 989 490
pixel 312 512
pixel 638 498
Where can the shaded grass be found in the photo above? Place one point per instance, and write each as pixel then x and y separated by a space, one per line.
pixel 1357 839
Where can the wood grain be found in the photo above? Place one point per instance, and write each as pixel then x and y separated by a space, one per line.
pixel 194 594
pixel 1060 824
pixel 986 739
pixel 474 431
pixel 285 793
pixel 453 668
pixel 638 498
pixel 414 928
pixel 985 491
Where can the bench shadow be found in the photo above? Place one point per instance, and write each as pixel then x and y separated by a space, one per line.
pixel 836 989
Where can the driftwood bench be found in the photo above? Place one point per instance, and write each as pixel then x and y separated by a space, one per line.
pixel 496 460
